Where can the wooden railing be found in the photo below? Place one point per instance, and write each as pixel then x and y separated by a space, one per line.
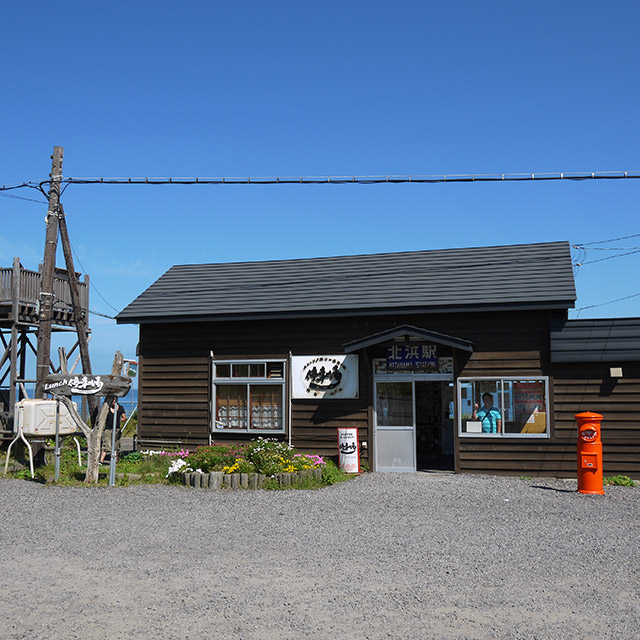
pixel 29 288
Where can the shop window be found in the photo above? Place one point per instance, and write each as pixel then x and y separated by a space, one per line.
pixel 249 396
pixel 503 407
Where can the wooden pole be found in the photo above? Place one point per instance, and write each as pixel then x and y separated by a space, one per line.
pixel 46 278
pixel 15 297
pixel 81 324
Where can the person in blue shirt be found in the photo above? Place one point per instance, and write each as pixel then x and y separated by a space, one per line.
pixel 488 415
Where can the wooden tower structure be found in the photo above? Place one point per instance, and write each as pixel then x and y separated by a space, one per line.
pixel 20 292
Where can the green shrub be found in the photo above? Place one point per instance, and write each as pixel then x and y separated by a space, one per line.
pixel 620 481
pixel 134 456
pixel 132 426
pixel 331 474
pixel 214 457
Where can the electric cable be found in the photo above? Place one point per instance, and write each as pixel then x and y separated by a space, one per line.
pixel 373 179
pixel 9 195
pixel 91 284
pixel 586 244
pixel 602 304
pixel 620 255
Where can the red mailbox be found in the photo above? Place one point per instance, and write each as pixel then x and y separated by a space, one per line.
pixel 589 453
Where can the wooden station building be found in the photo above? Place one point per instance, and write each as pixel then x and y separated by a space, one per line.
pixel 402 346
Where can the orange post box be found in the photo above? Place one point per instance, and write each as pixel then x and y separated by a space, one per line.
pixel 589 453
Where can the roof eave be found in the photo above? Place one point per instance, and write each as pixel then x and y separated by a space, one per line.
pixel 410 331
pixel 335 313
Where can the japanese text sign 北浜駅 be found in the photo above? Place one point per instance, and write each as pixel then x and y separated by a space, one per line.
pixel 412 357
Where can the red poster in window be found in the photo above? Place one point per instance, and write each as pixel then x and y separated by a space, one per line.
pixel 528 397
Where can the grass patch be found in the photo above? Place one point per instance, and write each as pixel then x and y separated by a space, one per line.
pixel 331 475
pixel 132 469
pixel 619 481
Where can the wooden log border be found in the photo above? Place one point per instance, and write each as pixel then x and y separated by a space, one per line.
pixel 219 480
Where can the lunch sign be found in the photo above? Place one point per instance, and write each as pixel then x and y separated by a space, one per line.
pixel 64 384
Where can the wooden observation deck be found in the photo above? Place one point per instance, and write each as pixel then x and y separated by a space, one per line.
pixel 19 320
pixel 20 292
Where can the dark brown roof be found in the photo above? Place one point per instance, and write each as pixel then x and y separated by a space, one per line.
pixel 513 276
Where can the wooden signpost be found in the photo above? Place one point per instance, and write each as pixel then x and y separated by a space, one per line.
pixel 64 384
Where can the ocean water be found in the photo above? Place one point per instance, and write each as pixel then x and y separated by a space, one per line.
pixel 128 402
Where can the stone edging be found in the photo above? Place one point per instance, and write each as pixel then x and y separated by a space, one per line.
pixel 220 480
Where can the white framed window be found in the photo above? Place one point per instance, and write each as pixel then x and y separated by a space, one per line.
pixel 503 407
pixel 249 396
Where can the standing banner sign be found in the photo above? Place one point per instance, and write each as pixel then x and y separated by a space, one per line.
pixel 349 447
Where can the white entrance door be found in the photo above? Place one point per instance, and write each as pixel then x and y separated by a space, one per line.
pixel 395 434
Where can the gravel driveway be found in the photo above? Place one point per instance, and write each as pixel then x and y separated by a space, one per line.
pixel 384 556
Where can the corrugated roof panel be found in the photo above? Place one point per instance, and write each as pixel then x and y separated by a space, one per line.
pixel 528 274
pixel 596 340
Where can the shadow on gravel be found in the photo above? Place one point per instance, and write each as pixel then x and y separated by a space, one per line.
pixel 539 486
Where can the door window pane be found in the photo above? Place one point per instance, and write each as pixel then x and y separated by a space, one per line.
pixel 394 404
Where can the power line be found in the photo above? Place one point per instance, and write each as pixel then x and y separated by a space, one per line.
pixel 8 195
pixel 374 179
pixel 72 308
pixel 586 244
pixel 602 304
pixel 619 255
pixel 608 248
pixel 92 285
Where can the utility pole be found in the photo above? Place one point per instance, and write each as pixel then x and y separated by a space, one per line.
pixel 81 324
pixel 46 277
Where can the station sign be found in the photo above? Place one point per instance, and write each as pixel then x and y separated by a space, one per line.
pixel 412 357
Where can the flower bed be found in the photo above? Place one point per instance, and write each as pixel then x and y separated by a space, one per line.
pixel 243 465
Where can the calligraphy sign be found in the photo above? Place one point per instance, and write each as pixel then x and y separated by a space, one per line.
pixel 64 384
pixel 348 446
pixel 325 377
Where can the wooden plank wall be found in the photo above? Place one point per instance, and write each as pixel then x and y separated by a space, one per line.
pixel 509 346
pixel 580 387
pixel 168 348
pixel 177 356
pixel 174 401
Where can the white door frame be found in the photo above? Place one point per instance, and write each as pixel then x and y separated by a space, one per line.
pixel 396 377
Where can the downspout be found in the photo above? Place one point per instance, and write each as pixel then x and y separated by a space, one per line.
pixel 289 393
pixel 211 398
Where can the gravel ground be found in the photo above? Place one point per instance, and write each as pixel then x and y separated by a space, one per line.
pixel 384 556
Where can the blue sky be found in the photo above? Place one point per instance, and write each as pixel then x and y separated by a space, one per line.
pixel 338 88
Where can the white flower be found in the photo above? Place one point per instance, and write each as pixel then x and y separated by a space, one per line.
pixel 178 466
